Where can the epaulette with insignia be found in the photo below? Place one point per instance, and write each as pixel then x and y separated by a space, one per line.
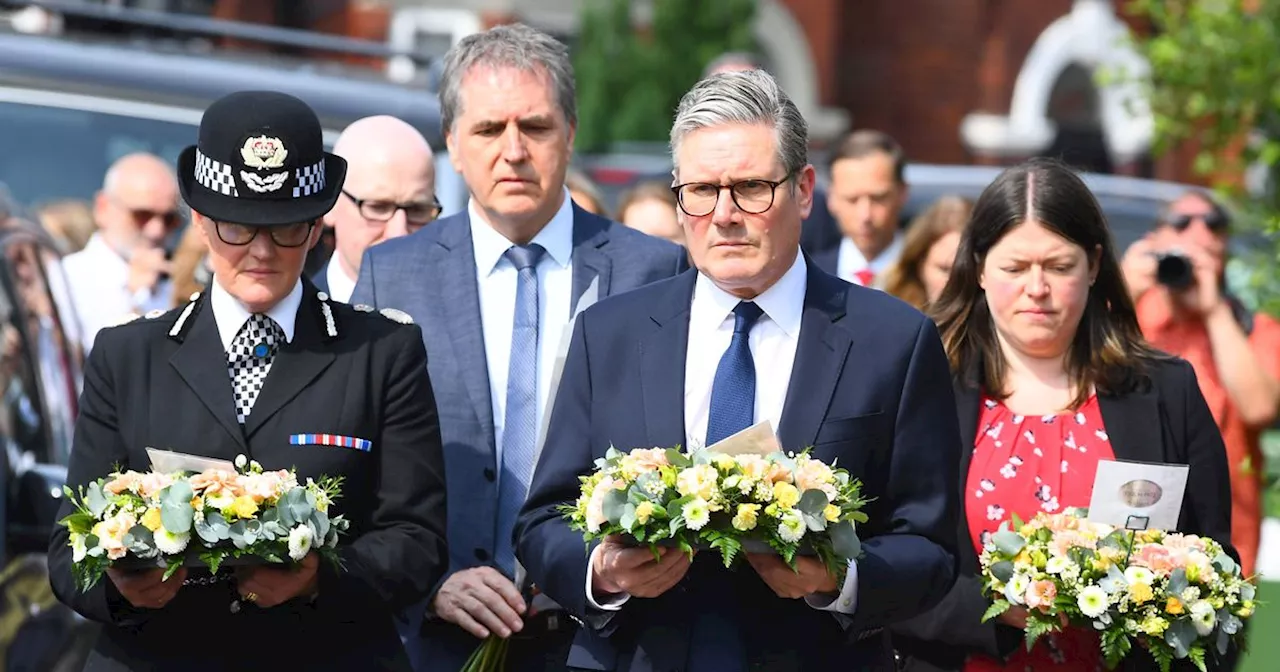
pixel 326 313
pixel 396 315
pixel 179 329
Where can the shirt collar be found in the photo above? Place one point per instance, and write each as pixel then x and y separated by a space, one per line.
pixel 490 246
pixel 230 314
pixel 341 286
pixel 783 302
pixel 857 262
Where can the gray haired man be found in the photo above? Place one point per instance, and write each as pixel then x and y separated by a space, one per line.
pixel 854 373
pixel 495 289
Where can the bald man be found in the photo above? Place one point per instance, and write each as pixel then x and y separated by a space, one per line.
pixel 389 192
pixel 122 271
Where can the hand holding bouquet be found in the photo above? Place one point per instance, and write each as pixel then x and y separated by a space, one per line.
pixel 1178 595
pixel 184 518
pixel 789 503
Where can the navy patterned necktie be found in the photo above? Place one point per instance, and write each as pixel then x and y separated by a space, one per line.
pixel 249 360
pixel 733 394
pixel 520 426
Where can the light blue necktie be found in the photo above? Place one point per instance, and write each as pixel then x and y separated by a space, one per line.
pixel 715 644
pixel 520 427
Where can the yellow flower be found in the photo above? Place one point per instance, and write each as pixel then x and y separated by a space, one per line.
pixel 1154 626
pixel 151 519
pixel 243 507
pixel 1246 609
pixel 1023 558
pixel 1140 593
pixel 831 513
pixel 1174 606
pixel 746 518
pixel 643 511
pixel 1038 558
pixel 1193 572
pixel 197 503
pixel 785 494
pixel 725 463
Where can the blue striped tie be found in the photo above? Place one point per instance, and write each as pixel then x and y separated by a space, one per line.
pixel 520 427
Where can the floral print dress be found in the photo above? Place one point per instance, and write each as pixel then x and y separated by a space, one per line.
pixel 1024 465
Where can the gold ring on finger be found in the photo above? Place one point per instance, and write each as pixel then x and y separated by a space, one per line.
pixel 251 596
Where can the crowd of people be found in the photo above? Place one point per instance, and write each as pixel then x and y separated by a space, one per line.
pixel 492 355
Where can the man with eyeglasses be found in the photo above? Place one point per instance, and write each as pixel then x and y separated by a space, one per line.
pixel 1176 276
pixel 389 192
pixel 264 365
pixel 758 334
pixel 123 269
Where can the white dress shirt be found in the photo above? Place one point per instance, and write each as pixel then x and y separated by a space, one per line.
pixel 341 287
pixel 98 281
pixel 229 314
pixel 773 341
pixel 850 260
pixel 497 278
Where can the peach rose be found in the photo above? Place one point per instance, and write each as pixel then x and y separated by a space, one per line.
pixel 1066 540
pixel 778 473
pixel 153 483
pixel 1040 595
pixel 754 467
pixel 217 481
pixel 812 475
pixel 264 486
pixel 1154 557
pixel 1183 542
pixel 110 533
pixel 129 481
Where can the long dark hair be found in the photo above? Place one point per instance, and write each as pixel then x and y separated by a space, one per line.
pixel 1108 352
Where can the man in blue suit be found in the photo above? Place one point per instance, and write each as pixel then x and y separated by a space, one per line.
pixel 495 289
pixel 756 333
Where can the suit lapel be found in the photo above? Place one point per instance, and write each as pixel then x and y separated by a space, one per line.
pixel 590 233
pixel 456 281
pixel 1132 423
pixel 662 364
pixel 201 361
pixel 297 363
pixel 967 401
pixel 820 358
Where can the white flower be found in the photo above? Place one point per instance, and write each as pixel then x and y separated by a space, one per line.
pixel 1015 591
pixel 241 460
pixel 78 548
pixel 1202 617
pixel 170 543
pixel 1092 601
pixel 696 513
pixel 1057 565
pixel 1136 574
pixel 791 528
pixel 300 539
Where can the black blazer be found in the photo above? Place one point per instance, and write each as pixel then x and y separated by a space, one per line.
pixel 1166 422
pixel 155 383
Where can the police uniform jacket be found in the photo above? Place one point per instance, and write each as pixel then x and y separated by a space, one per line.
pixel 162 382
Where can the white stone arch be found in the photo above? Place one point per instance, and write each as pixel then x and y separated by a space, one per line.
pixel 1094 37
pixel 786 46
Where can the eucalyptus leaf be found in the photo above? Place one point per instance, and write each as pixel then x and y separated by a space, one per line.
pixel 1008 543
pixel 298 506
pixel 1229 622
pixel 95 500
pixel 615 502
pixel 1223 640
pixel 813 502
pixel 816 523
pixel 628 518
pixel 218 524
pixel 1225 565
pixel 1177 585
pixel 321 521
pixel 844 540
pixel 140 541
pixel 176 512
pixel 1114 582
pixel 205 531
pixel 237 534
pixel 678 459
pixel 282 514
pixel 1181 634
pixel 1003 571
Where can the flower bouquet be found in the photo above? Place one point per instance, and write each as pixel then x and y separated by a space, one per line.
pixel 1179 596
pixel 789 504
pixel 200 519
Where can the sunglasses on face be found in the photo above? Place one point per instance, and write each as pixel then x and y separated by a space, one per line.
pixel 1214 221
pixel 142 216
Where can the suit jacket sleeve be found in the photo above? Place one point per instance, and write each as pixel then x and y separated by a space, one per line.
pixel 366 291
pixel 97 450
pixel 957 622
pixel 552 554
pixel 910 562
pixel 401 555
pixel 1209 480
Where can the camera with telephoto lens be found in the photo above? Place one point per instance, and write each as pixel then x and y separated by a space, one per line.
pixel 1173 270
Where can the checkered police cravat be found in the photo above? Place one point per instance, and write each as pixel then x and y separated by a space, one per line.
pixel 249 360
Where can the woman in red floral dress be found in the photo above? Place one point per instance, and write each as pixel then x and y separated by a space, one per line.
pixel 1052 376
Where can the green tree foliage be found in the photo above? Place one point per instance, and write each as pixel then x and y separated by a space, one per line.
pixel 1215 79
pixel 630 81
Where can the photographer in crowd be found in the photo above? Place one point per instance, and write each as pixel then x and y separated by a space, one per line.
pixel 1175 275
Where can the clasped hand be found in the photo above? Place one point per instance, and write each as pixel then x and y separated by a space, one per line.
pixel 147 588
pixel 268 586
pixel 809 577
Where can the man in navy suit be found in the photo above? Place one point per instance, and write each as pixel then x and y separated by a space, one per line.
pixel 495 289
pixel 853 373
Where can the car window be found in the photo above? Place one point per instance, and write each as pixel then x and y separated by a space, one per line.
pixel 54 152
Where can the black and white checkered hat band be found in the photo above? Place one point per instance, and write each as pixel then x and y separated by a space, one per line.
pixel 220 177
pixel 215 175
